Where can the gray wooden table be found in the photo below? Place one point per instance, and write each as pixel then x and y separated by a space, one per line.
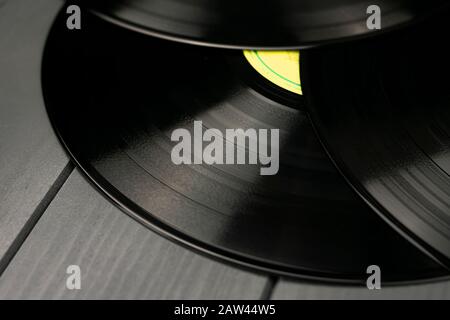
pixel 51 217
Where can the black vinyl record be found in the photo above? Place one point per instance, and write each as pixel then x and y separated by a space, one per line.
pixel 260 24
pixel 115 97
pixel 382 109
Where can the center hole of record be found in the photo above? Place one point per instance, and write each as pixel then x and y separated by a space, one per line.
pixel 282 68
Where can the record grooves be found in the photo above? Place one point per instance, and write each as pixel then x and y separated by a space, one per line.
pixel 390 134
pixel 126 93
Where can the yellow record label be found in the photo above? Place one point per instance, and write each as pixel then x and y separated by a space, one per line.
pixel 280 67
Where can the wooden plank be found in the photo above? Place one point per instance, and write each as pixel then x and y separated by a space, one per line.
pixel 290 290
pixel 118 257
pixel 31 159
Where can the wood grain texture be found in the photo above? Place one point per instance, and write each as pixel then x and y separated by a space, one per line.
pixel 290 290
pixel 119 258
pixel 31 158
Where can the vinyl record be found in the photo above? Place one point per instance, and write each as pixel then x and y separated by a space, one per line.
pixel 116 97
pixel 383 111
pixel 256 24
